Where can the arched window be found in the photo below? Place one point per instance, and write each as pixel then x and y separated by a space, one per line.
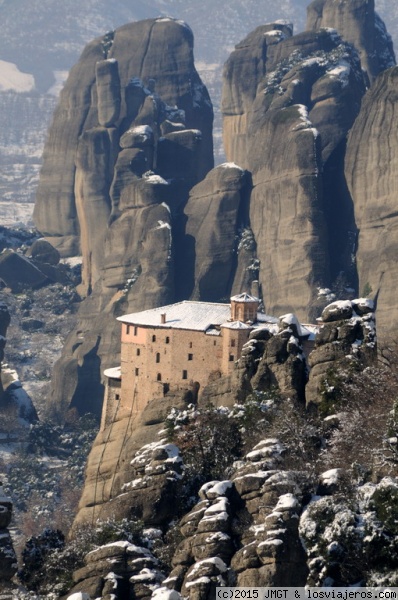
pixel 159 377
pixel 154 338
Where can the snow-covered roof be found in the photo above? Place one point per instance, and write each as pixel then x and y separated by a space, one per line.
pixel 244 298
pixel 113 373
pixel 197 316
pixel 236 325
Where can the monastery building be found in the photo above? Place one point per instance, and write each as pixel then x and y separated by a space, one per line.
pixel 181 345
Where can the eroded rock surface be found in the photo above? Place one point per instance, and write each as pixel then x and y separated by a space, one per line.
pixel 286 122
pixel 357 23
pixel 371 171
pixel 136 144
pixel 101 97
pixel 272 359
pixel 131 470
pixel 346 339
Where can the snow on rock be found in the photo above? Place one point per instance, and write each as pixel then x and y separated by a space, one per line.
pixel 213 489
pixel 163 593
pixel 287 502
pixel 79 596
pixel 341 72
pixel 229 165
pixel 155 179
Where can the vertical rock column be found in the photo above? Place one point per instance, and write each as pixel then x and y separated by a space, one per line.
pixel 95 157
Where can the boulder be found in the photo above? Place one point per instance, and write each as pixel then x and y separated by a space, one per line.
pixel 44 252
pixel 19 273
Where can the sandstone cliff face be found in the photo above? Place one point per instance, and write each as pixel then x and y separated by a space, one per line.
pixel 371 171
pixel 101 93
pixel 134 145
pixel 357 23
pixel 215 213
pixel 287 125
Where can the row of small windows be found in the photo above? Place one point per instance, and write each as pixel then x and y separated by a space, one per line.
pixel 157 358
pixel 158 377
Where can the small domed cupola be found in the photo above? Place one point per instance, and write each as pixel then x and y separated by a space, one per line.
pixel 244 308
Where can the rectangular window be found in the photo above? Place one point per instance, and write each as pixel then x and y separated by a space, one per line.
pixel 185 374
pixel 138 351
pixel 128 329
pixel 232 343
pixel 167 340
pixel 135 330
pixel 154 338
pixel 137 371
pixel 190 344
pixel 117 396
pixel 231 358
pixel 190 356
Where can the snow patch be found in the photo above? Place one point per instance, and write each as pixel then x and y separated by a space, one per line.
pixel 12 79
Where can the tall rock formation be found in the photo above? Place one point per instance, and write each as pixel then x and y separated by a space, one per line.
pixel 357 23
pixel 288 103
pixel 130 180
pixel 98 104
pixel 372 176
pixel 146 239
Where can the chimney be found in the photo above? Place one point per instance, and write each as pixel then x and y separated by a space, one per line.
pixel 163 318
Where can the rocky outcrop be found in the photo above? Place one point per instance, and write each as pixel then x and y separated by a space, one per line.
pixel 99 103
pixel 19 272
pixel 287 125
pixel 371 171
pixel 346 339
pixel 129 472
pixel 272 359
pixel 357 23
pixel 243 531
pixel 118 570
pixel 8 558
